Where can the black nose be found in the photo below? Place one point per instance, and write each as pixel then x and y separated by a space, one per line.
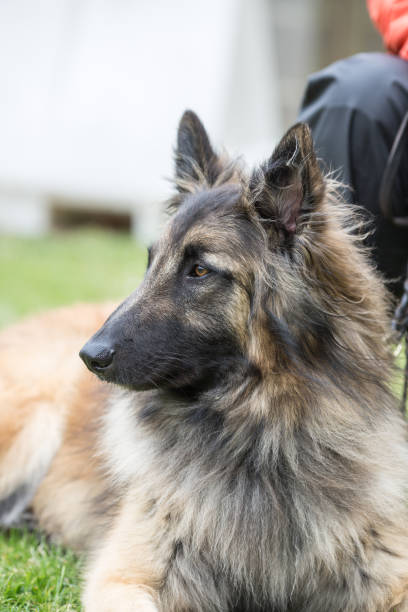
pixel 96 356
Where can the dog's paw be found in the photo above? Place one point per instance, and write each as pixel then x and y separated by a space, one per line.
pixel 115 597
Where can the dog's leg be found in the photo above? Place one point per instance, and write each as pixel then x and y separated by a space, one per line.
pixel 129 567
pixel 29 441
pixel 143 566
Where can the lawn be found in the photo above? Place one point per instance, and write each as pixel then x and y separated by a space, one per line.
pixel 64 268
pixel 34 575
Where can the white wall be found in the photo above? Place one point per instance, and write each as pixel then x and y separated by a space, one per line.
pixel 91 92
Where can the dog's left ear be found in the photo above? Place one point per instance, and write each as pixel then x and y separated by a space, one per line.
pixel 195 159
pixel 289 185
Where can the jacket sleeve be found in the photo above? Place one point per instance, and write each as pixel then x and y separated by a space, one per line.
pixel 391 19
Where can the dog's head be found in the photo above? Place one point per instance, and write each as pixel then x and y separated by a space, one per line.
pixel 223 273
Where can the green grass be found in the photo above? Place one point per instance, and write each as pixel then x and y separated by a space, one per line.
pixel 34 575
pixel 63 268
pixel 398 380
pixel 67 267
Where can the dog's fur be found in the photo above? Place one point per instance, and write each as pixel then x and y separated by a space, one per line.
pixel 262 465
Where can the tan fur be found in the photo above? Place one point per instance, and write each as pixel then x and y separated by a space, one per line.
pixel 46 395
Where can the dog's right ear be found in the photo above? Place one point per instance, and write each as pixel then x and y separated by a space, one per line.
pixel 196 161
pixel 289 186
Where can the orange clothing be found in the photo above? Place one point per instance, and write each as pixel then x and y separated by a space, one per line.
pixel 391 19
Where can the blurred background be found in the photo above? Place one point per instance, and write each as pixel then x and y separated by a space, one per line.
pixel 91 92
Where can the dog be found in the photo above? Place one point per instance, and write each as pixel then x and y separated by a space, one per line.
pixel 248 454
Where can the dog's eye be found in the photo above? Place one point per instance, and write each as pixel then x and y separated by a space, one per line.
pixel 199 271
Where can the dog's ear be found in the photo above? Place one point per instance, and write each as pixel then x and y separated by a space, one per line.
pixel 289 185
pixel 195 159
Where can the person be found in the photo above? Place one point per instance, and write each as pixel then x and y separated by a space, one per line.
pixel 355 108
